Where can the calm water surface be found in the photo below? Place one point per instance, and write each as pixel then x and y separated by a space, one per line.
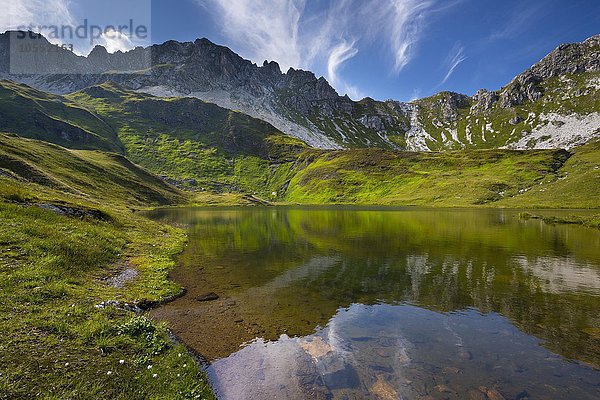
pixel 344 303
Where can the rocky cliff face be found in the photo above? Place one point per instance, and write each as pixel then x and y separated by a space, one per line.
pixel 537 109
pixel 567 59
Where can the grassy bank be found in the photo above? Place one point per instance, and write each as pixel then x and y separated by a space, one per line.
pixel 72 254
pixel 472 178
pixel 592 221
pixel 575 185
pixel 455 179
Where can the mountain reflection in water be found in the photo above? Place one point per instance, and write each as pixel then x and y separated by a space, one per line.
pixel 382 303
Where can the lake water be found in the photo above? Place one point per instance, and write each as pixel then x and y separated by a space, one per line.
pixel 348 303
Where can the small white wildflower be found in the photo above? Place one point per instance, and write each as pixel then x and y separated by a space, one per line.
pixel 178 375
pixel 109 373
pixel 121 362
pixel 67 364
pixel 179 355
pixel 155 375
pixel 184 365
pixel 149 366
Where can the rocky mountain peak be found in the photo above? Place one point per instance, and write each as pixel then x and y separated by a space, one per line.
pixel 570 58
pixel 98 51
pixel 448 103
pixel 272 67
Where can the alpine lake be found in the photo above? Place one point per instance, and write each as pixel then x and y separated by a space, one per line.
pixel 388 303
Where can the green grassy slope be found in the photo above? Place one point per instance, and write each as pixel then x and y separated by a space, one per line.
pixel 66 231
pixel 34 114
pixel 197 144
pixel 83 174
pixel 191 143
pixel 576 184
pixel 461 178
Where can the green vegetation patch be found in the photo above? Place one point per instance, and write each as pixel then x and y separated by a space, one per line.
pixel 575 185
pixel 34 114
pixel 197 145
pixel 462 178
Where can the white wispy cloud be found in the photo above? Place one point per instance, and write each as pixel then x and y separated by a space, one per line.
pixel 322 39
pixel 407 18
pixel 398 24
pixel 338 56
pixel 455 57
pixel 266 29
pixel 517 21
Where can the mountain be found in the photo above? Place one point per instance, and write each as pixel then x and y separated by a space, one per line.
pixel 553 104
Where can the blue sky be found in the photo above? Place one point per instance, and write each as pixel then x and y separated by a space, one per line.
pixel 400 49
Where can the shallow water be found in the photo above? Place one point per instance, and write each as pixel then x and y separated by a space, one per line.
pixel 349 303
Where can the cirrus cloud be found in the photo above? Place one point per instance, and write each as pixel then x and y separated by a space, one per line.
pixel 338 56
pixel 35 15
pixel 454 59
pixel 321 39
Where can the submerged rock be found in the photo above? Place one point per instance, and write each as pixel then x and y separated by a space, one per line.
pixel 383 390
pixel 316 348
pixel 492 394
pixel 208 297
